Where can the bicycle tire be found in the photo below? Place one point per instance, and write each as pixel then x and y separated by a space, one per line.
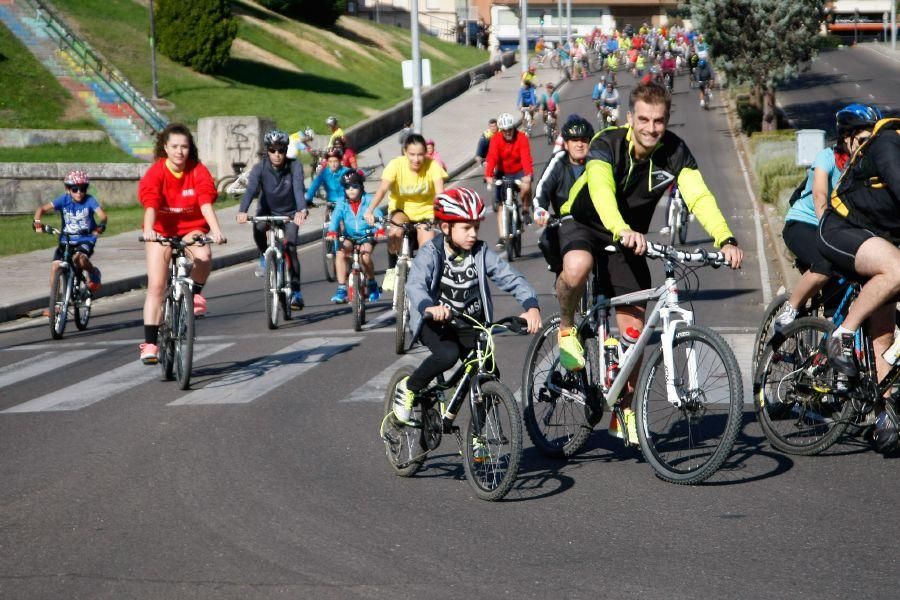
pixel 682 225
pixel 765 330
pixel 812 420
pixel 517 238
pixel 328 259
pixel 673 224
pixel 558 426
pixel 82 305
pixel 271 291
pixel 223 183
pixel 402 309
pixel 492 472
pixel 58 304
pixel 403 444
pixel 359 306
pixel 166 343
pixel 692 423
pixel 184 338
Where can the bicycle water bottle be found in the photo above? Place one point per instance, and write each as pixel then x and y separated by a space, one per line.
pixel 611 351
pixel 629 338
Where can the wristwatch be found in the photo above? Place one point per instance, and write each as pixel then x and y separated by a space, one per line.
pixel 730 241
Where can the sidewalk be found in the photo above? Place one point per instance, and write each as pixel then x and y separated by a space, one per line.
pixel 455 126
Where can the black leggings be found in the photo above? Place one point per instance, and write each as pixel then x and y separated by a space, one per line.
pixel 447 345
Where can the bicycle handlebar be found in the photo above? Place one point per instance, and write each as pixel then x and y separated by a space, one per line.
pixel 516 325
pixel 269 219
pixel 177 242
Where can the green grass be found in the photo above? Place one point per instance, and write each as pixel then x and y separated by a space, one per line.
pixel 17 237
pixel 30 97
pixel 365 82
pixel 77 152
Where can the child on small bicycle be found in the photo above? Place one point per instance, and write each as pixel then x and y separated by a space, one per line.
pixel 451 272
pixel 82 221
pixel 349 217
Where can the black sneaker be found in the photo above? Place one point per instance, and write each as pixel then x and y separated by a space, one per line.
pixel 842 354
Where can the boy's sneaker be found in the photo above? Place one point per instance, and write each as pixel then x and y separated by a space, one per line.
pixel 785 317
pixel 199 306
pixel 297 302
pixel 373 291
pixel 94 282
pixel 340 296
pixel 480 452
pixel 149 354
pixel 500 246
pixel 571 353
pixel 665 230
pixel 842 354
pixel 260 267
pixel 615 427
pixel 388 284
pixel 404 399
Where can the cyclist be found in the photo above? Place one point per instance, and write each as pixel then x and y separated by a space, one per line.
pixel 527 100
pixel 529 77
pixel 668 70
pixel 609 104
pixel 509 155
pixel 612 65
pixel 556 182
pixel 329 177
pixel 705 78
pixel 348 154
pixel 278 181
pixel 854 125
pixel 177 193
pixel 599 88
pixel 549 102
pixel 451 271
pixel 485 140
pixel 433 154
pixel 335 128
pixel 628 170
pixel 412 180
pixel 349 217
pixel 82 221
pixel 300 141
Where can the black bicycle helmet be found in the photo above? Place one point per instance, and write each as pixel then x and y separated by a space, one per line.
pixel 353 177
pixel 276 137
pixel 577 128
pixel 854 117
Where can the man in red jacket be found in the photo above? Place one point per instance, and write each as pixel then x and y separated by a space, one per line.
pixel 509 154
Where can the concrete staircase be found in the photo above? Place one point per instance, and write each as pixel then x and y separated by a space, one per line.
pixel 129 118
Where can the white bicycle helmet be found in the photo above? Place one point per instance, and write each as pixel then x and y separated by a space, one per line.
pixel 506 121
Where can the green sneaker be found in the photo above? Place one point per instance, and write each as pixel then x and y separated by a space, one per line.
pixel 571 353
pixel 630 427
pixel 403 402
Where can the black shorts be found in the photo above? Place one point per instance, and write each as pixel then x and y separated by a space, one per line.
pixel 617 274
pixel 802 239
pixel 86 248
pixel 839 241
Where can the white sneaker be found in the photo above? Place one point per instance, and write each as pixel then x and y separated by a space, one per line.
pixel 403 403
pixel 388 284
pixel 785 317
pixel 665 230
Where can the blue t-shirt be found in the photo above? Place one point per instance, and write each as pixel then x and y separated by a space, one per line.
pixel 77 217
pixel 803 209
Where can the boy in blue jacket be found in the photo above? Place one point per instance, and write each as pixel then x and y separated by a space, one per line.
pixel 330 177
pixel 451 271
pixel 349 216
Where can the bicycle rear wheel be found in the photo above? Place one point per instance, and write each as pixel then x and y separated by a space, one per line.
pixel 556 412
pixel 493 446
pixel 682 225
pixel 359 301
pixel 765 331
pixel 402 309
pixel 59 302
pixel 687 444
pixel 184 337
pixel 792 387
pixel 82 305
pixel 404 445
pixel 272 292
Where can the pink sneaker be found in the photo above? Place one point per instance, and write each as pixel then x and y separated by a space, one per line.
pixel 199 306
pixel 149 354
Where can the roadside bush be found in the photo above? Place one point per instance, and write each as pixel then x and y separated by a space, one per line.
pixel 776 176
pixel 318 12
pixel 197 34
pixel 829 41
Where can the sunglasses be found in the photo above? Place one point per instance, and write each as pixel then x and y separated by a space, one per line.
pixel 278 150
pixel 77 188
pixel 354 186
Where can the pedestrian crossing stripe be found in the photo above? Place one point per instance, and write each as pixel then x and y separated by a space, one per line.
pixel 46 362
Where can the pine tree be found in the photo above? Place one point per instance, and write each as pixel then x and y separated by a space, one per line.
pixel 197 34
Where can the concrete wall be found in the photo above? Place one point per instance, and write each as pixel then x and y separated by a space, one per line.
pixel 224 140
pixel 22 138
pixel 25 186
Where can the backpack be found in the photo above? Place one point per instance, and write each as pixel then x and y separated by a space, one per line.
pixel 859 162
pixel 798 191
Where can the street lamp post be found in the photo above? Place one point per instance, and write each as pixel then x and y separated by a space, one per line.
pixel 559 21
pixel 893 25
pixel 153 54
pixel 523 34
pixel 416 67
pixel 568 20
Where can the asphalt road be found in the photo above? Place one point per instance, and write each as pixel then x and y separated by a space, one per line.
pixel 268 480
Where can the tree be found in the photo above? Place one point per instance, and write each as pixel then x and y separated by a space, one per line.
pixel 318 12
pixel 760 42
pixel 197 34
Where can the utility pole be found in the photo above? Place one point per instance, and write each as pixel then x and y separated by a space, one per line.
pixel 416 67
pixel 559 21
pixel 893 24
pixel 568 20
pixel 378 11
pixel 153 54
pixel 523 34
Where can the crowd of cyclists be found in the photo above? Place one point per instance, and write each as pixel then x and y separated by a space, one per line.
pixel 600 187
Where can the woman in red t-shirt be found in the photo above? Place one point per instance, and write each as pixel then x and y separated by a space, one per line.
pixel 178 194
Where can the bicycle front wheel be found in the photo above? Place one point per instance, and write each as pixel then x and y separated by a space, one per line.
pixel 402 309
pixel 59 303
pixel 686 444
pixel 493 446
pixel 329 247
pixel 794 405
pixel 272 291
pixel 557 416
pixel 183 337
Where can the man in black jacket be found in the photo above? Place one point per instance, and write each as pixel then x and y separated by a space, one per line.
pixel 278 181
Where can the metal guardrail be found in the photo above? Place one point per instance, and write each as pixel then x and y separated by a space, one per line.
pixel 148 113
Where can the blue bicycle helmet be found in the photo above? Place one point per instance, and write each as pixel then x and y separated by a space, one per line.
pixel 854 117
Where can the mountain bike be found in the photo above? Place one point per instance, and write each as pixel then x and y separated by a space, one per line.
pixel 329 245
pixel 404 262
pixel 234 183
pixel 69 291
pixel 677 217
pixel 277 281
pixel 550 127
pixel 705 87
pixel 527 119
pixel 492 444
pixel 356 282
pixel 689 396
pixel 510 216
pixel 176 330
pixel 607 116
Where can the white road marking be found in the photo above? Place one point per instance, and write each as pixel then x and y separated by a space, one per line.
pixel 375 388
pixel 260 377
pixel 742 346
pixel 857 85
pixel 41 364
pixel 378 322
pixel 103 386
